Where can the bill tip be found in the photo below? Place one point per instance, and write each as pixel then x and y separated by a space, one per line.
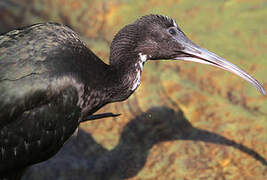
pixel 262 90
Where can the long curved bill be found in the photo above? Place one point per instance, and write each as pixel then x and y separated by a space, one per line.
pixel 192 52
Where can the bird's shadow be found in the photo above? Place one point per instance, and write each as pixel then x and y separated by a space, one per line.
pixel 84 158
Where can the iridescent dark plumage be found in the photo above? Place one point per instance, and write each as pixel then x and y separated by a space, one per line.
pixel 50 82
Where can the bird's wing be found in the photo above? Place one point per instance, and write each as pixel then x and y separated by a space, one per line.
pixel 37 134
pixel 39 97
pixel 31 67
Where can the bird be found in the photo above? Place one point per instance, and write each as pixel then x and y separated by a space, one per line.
pixel 50 81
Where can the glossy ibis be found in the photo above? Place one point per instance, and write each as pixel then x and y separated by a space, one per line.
pixel 50 82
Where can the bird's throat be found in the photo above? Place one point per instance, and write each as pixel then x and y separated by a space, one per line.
pixel 138 70
pixel 129 78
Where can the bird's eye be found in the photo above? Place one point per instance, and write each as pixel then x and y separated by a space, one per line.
pixel 172 31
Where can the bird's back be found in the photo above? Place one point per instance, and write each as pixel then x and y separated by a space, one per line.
pixel 42 73
pixel 29 61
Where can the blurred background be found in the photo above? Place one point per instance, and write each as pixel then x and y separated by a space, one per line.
pixel 186 120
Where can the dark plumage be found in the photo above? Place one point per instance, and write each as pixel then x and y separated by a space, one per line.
pixel 50 82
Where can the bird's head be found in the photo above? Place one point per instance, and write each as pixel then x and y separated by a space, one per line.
pixel 157 37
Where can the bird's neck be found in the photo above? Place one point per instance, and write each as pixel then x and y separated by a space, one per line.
pixel 118 82
pixel 128 74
